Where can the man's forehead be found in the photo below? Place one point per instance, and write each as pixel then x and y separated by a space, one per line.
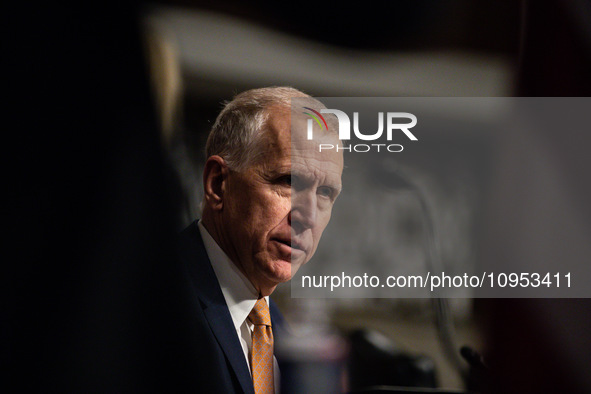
pixel 294 120
pixel 287 134
pixel 324 173
pixel 306 158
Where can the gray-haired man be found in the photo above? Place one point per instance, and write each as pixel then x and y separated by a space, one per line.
pixel 268 195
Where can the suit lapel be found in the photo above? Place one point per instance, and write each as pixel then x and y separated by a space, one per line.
pixel 215 308
pixel 223 328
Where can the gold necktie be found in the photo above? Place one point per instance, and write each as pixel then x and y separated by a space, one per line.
pixel 261 361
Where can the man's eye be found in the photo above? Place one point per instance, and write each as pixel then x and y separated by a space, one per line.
pixel 285 180
pixel 325 191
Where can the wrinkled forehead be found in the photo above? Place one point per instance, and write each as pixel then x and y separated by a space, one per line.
pixel 298 136
pixel 301 141
pixel 305 110
pixel 301 125
pixel 306 154
pixel 308 123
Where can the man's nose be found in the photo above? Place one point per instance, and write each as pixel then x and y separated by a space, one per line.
pixel 303 210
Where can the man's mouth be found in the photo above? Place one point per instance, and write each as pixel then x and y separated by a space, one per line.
pixel 289 242
pixel 296 245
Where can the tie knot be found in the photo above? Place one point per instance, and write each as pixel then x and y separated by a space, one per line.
pixel 260 313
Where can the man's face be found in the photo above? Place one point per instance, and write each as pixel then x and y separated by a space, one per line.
pixel 275 211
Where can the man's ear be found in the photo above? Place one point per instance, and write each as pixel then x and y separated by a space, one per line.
pixel 215 175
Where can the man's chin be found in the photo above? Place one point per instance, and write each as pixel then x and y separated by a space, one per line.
pixel 282 271
pixel 279 271
pixel 280 268
pixel 295 266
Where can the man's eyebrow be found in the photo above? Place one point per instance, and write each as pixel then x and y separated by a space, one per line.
pixel 279 171
pixel 308 174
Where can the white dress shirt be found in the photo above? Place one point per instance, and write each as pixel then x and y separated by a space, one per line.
pixel 240 296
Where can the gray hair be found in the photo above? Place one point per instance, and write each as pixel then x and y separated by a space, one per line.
pixel 238 129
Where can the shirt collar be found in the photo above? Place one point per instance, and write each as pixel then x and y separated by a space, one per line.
pixel 239 293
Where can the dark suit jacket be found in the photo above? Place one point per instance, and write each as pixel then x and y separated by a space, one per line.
pixel 224 369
